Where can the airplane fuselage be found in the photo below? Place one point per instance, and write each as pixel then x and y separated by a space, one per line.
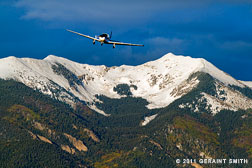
pixel 104 38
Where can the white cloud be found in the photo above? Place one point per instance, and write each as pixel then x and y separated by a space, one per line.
pixel 79 10
pixel 110 10
pixel 235 45
pixel 113 11
pixel 164 41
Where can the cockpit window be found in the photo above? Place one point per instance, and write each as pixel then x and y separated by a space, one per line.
pixel 104 35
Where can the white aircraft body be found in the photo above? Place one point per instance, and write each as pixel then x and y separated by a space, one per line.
pixel 105 39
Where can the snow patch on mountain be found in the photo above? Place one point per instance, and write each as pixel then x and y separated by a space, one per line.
pixel 36 74
pixel 148 119
pixel 215 105
pixel 247 83
pixel 233 98
pixel 225 98
pixel 218 74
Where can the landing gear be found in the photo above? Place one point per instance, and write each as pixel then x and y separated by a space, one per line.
pixel 101 44
pixel 94 42
pixel 113 45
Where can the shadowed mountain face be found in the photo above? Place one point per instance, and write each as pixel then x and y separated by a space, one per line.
pixel 55 112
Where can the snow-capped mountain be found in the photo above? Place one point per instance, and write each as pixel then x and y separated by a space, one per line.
pixel 160 82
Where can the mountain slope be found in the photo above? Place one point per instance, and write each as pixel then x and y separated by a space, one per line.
pixel 32 128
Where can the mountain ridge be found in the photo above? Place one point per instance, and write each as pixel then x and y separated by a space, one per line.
pixel 160 82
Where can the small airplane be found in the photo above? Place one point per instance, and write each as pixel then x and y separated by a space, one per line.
pixel 105 39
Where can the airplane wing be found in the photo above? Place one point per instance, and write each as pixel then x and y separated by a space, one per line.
pixel 83 35
pixel 121 43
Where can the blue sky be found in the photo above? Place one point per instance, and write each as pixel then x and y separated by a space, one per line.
pixel 219 31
